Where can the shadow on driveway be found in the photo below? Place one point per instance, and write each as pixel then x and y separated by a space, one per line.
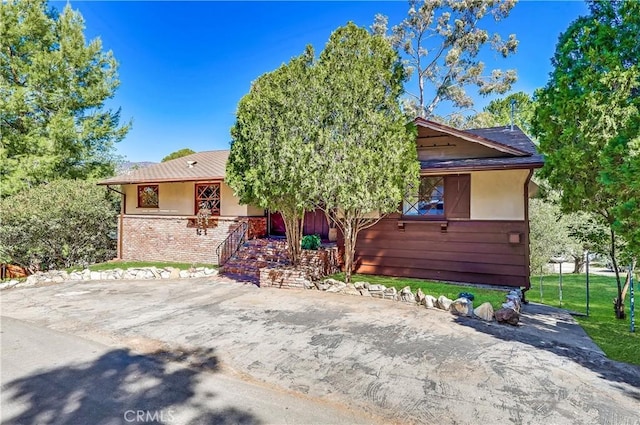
pixel 119 387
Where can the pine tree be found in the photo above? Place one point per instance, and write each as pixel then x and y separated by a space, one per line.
pixel 53 85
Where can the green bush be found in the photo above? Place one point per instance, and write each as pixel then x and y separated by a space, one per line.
pixel 311 242
pixel 61 224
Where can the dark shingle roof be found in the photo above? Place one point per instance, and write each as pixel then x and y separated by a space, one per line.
pixel 210 165
pixel 515 138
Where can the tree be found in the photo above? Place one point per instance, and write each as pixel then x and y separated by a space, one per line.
pixel 366 153
pixel 587 116
pixel 547 233
pixel 334 138
pixel 178 154
pixel 441 40
pixel 497 113
pixel 275 130
pixel 57 225
pixel 587 233
pixel 53 86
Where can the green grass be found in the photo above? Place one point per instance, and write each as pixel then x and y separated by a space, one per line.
pixel 451 291
pixel 110 265
pixel 612 335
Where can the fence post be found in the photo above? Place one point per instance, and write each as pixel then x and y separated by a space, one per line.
pixel 560 285
pixel 587 270
pixel 632 302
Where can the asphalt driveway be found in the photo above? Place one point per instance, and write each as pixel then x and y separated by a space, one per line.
pixel 395 362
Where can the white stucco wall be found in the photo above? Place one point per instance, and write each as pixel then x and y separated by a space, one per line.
pixel 230 204
pixel 498 195
pixel 179 199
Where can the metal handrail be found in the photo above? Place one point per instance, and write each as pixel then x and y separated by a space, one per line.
pixel 232 243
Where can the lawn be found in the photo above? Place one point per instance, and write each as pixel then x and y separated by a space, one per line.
pixel 110 265
pixel 611 335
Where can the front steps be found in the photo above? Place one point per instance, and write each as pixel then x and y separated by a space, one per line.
pixel 254 255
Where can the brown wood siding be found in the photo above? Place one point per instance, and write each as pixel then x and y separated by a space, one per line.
pixel 468 251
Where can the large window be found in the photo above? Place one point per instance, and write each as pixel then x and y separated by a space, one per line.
pixel 148 196
pixel 440 197
pixel 429 199
pixel 208 197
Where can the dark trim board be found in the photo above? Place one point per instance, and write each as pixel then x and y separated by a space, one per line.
pixel 470 251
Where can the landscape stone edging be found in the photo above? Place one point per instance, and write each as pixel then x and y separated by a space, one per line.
pixel 133 273
pixel 509 313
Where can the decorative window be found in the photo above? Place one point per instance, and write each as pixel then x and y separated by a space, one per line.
pixel 208 198
pixel 148 196
pixel 429 199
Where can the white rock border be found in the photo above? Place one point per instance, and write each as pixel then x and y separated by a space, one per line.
pixel 133 273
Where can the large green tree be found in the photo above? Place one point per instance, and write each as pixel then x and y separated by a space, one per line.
pixel 326 134
pixel 275 130
pixel 53 85
pixel 178 154
pixel 366 155
pixel 587 116
pixel 440 41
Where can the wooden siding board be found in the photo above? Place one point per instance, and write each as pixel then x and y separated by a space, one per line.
pixel 502 280
pixel 440 237
pixel 453 266
pixel 481 257
pixel 449 247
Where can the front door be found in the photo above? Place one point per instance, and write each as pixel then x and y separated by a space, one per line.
pixel 315 222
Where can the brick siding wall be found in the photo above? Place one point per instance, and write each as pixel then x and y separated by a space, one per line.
pixel 174 238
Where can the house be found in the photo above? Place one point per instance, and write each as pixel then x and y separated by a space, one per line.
pixel 466 222
pixel 161 203
pixel 469 219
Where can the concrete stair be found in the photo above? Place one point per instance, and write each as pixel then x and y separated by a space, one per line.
pixel 254 255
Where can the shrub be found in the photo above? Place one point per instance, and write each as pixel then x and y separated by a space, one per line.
pixel 311 242
pixel 61 224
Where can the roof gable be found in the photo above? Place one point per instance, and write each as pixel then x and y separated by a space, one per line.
pixel 208 165
pixel 498 148
pixel 502 144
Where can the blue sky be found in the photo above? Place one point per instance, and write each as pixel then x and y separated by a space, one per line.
pixel 185 65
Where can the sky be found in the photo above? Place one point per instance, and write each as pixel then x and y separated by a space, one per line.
pixel 185 65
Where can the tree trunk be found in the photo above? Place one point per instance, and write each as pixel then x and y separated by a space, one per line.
pixel 349 249
pixel 578 264
pixel 618 304
pixel 293 223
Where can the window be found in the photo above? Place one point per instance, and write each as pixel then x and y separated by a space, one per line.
pixel 429 200
pixel 440 197
pixel 208 197
pixel 148 196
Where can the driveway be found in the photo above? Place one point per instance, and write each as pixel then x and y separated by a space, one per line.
pixel 389 361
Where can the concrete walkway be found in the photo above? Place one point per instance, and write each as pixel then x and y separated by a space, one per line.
pixel 389 360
